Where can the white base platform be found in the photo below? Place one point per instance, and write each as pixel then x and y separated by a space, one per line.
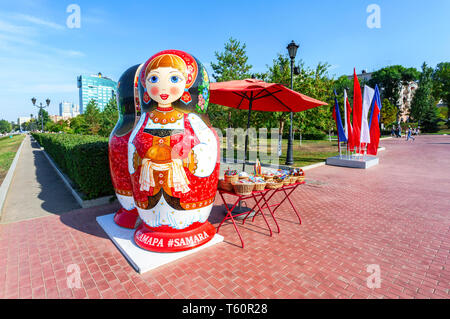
pixel 353 162
pixel 143 260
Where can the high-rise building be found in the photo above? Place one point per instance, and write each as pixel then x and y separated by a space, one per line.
pixel 95 87
pixel 75 110
pixel 65 109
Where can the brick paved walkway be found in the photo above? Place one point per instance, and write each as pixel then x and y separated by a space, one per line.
pixel 395 215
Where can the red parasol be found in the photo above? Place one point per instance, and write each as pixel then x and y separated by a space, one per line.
pixel 257 95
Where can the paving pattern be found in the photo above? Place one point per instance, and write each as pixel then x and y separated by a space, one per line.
pixel 395 216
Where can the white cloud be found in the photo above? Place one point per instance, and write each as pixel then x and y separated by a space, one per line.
pixel 69 53
pixel 52 88
pixel 15 29
pixel 334 66
pixel 17 40
pixel 35 20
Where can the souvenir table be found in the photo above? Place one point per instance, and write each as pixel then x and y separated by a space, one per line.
pixel 262 201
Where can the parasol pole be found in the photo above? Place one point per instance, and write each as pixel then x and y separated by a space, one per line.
pixel 250 101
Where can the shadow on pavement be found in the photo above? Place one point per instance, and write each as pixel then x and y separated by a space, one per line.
pixel 84 219
pixel 59 201
pixel 54 194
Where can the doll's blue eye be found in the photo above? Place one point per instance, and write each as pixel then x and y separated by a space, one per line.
pixel 154 79
pixel 174 79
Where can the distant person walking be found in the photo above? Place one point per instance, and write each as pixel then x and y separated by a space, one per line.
pixel 409 135
pixel 393 131
pixel 399 131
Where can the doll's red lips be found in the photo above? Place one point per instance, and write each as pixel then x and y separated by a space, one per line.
pixel 164 96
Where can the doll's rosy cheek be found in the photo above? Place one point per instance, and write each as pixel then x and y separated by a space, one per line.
pixel 154 90
pixel 174 90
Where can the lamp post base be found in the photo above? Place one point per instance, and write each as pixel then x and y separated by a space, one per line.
pixel 289 155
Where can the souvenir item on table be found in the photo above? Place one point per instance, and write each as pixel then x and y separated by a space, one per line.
pixel 268 176
pixel 173 154
pixel 243 187
pixel 288 179
pixel 231 175
pixel 274 184
pixel 258 170
pixel 227 186
pixel 256 179
pixel 259 182
pixel 268 173
pixel 243 175
pixel 281 176
pixel 129 111
pixel 300 175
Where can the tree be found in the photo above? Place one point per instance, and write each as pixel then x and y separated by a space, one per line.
pixel 31 125
pixel 312 82
pixel 92 117
pixel 317 84
pixel 423 99
pixel 14 126
pixel 60 126
pixel 441 85
pixel 443 113
pixel 344 82
pixel 390 79
pixel 430 120
pixel 231 65
pixel 78 125
pixel 108 118
pixel 5 126
pixel 279 72
pixel 43 115
pixel 388 113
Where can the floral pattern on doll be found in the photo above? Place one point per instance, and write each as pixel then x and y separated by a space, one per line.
pixel 203 94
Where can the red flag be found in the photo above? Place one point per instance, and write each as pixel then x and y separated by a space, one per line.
pixel 357 110
pixel 350 144
pixel 372 148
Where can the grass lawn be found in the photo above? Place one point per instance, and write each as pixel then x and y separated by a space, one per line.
pixel 440 132
pixel 308 153
pixel 8 149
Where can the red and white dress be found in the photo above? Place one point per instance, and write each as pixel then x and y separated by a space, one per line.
pixel 173 160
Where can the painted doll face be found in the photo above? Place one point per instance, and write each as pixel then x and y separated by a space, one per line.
pixel 165 85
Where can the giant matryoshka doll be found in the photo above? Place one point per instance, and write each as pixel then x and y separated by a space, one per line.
pixel 173 154
pixel 129 111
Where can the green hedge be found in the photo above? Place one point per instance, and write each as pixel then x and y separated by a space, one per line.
pixel 83 158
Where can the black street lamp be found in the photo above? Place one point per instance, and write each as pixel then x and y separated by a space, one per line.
pixel 41 107
pixel 292 49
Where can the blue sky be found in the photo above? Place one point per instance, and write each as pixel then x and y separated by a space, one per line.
pixel 40 56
